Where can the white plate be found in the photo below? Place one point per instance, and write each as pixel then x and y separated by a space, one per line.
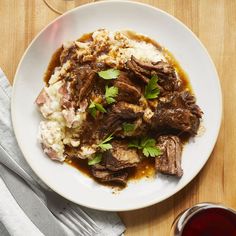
pixel 115 15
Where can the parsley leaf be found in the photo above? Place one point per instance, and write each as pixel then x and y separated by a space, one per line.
pixel 109 74
pixel 151 89
pixel 148 146
pixel 147 142
pixel 100 107
pixel 94 107
pixel 151 151
pixel 110 94
pixel 104 145
pixel 128 127
pixel 110 100
pixel 96 159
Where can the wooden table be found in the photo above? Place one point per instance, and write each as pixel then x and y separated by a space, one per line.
pixel 214 22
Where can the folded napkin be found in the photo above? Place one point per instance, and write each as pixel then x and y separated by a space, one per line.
pixel 12 217
pixel 109 223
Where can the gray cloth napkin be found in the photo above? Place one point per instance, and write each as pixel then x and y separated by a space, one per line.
pixel 109 222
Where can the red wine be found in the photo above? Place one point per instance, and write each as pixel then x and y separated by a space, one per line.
pixel 211 222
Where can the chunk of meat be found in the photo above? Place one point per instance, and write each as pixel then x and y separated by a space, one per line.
pixel 121 112
pixel 67 97
pixel 83 81
pixel 87 85
pixel 127 93
pixel 42 98
pixel 180 100
pixel 137 70
pixel 161 67
pixel 169 162
pixel 104 175
pixel 120 156
pixel 120 107
pixel 178 119
pixel 165 72
pixel 178 110
pixel 124 77
pixel 78 86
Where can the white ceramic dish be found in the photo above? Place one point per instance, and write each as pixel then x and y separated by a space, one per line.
pixel 114 15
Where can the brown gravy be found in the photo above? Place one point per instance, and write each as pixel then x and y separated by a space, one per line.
pixel 54 62
pixel 182 74
pixel 147 167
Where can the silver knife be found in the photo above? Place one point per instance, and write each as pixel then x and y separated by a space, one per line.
pixel 31 204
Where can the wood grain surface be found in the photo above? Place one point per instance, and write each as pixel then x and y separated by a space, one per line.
pixel 214 22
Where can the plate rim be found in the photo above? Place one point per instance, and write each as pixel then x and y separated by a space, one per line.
pixel 177 188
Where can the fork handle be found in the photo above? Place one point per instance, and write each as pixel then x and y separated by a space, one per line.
pixel 9 162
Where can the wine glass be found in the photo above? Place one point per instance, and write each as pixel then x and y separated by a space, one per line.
pixel 61 6
pixel 205 219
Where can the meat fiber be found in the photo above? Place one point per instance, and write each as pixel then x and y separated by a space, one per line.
pixel 169 162
pixel 121 157
pixel 102 174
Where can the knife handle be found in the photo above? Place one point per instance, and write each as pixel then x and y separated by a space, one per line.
pixel 9 162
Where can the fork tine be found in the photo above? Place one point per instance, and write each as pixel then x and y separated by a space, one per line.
pixel 68 223
pixel 81 220
pixel 78 224
pixel 75 219
pixel 86 219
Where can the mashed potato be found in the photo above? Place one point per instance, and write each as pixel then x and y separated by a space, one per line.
pixel 120 48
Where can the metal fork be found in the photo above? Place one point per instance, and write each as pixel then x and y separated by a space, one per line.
pixel 70 214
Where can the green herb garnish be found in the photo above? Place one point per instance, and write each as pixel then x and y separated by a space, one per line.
pixel 128 127
pixel 109 74
pixel 97 157
pixel 104 145
pixel 94 107
pixel 148 146
pixel 110 94
pixel 151 89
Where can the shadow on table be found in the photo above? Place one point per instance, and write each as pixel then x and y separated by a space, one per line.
pixel 163 212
